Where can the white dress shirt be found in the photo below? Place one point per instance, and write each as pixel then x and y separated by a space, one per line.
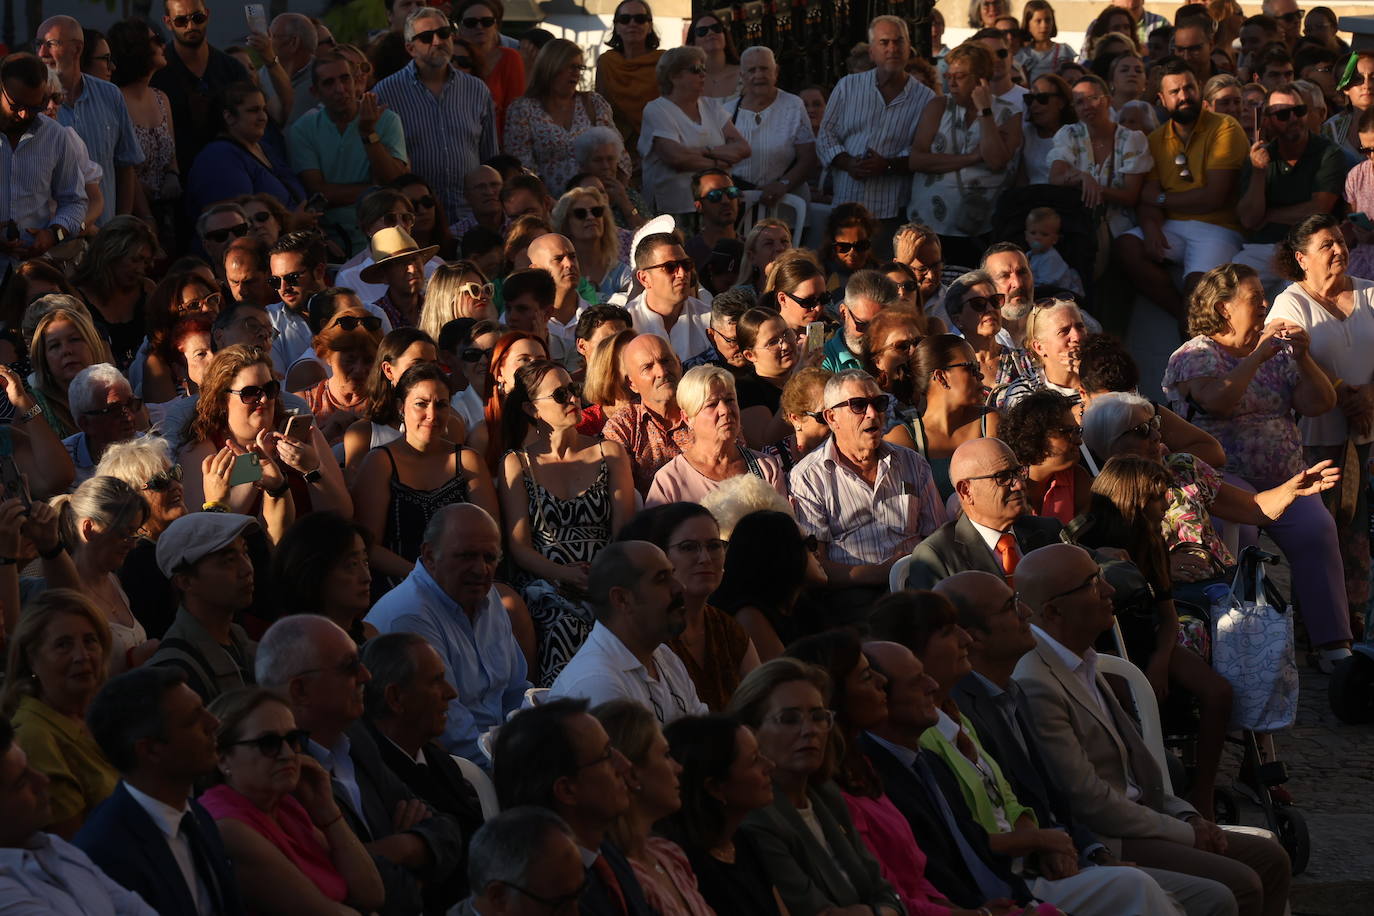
pixel 168 820
pixel 604 669
pixel 688 335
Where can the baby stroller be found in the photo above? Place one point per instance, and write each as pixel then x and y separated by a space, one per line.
pixel 1177 718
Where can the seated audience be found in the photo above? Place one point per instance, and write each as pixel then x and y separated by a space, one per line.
pixel 766 606
pixel 802 405
pixel 398 262
pixel 974 307
pixel 1046 438
pixel 667 306
pixel 604 387
pixel 165 370
pixel 511 351
pixel 64 341
pixel 653 430
pixel 866 294
pixel 321 567
pixel 772 356
pixel 105 410
pixel 524 854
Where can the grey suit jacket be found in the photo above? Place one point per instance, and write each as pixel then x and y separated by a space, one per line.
pixel 958 547
pixel 1090 753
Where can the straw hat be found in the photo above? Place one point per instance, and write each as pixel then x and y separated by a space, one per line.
pixel 389 245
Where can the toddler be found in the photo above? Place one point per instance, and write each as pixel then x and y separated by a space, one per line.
pixel 1047 266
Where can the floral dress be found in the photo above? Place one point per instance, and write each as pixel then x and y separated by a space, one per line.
pixel 1130 156
pixel 546 147
pixel 159 151
pixel 1188 519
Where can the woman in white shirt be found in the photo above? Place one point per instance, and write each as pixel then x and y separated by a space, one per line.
pixel 775 123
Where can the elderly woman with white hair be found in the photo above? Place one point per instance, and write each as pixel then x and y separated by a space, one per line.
pixel 1054 332
pixel 707 398
pixel 684 132
pixel 782 145
pixel 601 153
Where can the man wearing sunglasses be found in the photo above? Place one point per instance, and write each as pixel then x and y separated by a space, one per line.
pixel 106 412
pixel 297 264
pixel 449 119
pixel 667 306
pixel 1185 210
pixel 217 226
pixel 1289 17
pixel 994 41
pixel 995 528
pixel 547 876
pixel 717 203
pixel 866 294
pixel 1291 174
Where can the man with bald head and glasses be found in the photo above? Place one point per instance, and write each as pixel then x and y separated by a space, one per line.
pixel 995 528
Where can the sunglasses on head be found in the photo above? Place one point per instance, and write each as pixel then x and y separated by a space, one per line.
pixel 860 406
pixel 1286 114
pixel 476 291
pixel 985 303
pixel 218 236
pixel 636 18
pixel 585 212
pixel 846 247
pixel 474 354
pixel 182 21
pixel 478 22
pixel 269 744
pixel 441 33
pixel 163 479
pixel 563 395
pixel 292 280
pixel 703 30
pixel 252 394
pixel 351 322
pixel 715 195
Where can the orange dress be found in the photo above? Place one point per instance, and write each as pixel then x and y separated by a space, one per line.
pixel 507 83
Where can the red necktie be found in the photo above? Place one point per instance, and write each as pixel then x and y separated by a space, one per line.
pixel 607 875
pixel 1008 554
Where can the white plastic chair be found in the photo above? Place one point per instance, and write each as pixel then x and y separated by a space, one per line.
pixel 817 215
pixel 482 784
pixel 790 208
pixel 896 576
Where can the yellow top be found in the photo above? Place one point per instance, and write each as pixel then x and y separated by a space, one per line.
pixel 1217 143
pixel 63 750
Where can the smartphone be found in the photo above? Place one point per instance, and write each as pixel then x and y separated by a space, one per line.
pixel 1256 113
pixel 13 482
pixel 815 336
pixel 256 14
pixel 317 203
pixel 298 427
pixel 247 469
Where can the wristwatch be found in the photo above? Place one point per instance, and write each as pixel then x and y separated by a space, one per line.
pixel 985 113
pixel 373 137
pixel 1159 201
pixel 313 476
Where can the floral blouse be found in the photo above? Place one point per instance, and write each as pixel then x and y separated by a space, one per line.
pixel 1188 519
pixel 546 147
pixel 1130 156
pixel 1261 440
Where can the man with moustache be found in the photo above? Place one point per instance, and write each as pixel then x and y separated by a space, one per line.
pixel 639 608
pixel 1186 212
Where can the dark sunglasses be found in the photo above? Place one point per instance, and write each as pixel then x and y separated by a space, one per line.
pixel 806 302
pixel 584 212
pixel 428 35
pixel 1072 433
pixel 351 322
pixel 817 415
pixel 269 744
pixel 1143 430
pixel 984 303
pixel 252 394
pixel 1284 115
pixel 846 247
pixel 129 407
pixel 562 395
pixel 714 196
pixel 292 279
pixel 1181 161
pixel 703 30
pixel 811 543
pixel 907 286
pixel 685 265
pixel 1040 98
pixel 262 216
pixel 860 405
pixel 970 366
pixel 164 479
pixel 636 18
pixel 427 202
pixel 1366 150
pixel 238 231
pixel 182 21
pixel 1002 52
pixel 478 22
pixel 473 354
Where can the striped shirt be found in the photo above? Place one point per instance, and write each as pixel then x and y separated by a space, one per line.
pixel 859 119
pixel 102 120
pixel 43 169
pixel 447 135
pixel 863 523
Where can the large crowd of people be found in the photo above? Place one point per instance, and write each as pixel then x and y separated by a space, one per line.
pixel 435 478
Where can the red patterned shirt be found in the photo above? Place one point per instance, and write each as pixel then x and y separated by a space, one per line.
pixel 650 438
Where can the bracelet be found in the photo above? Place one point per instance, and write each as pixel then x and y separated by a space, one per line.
pixel 270 63
pixel 27 415
pixel 214 505
pixel 323 827
pixel 279 492
pixel 57 548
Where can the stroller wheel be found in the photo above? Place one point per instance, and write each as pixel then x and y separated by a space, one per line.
pixel 1291 827
pixel 1351 690
pixel 1225 805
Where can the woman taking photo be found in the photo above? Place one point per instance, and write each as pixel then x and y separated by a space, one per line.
pixel 583 215
pixel 1105 161
pixel 802 406
pixel 1048 111
pixel 808 842
pixel 238 162
pixel 401 484
pixel 1042 431
pixel 563 496
pixel 56 665
pixel 724 778
pixel 64 342
pixel 294 850
pixel 706 396
pixel 501 68
pixel 321 567
pixel 684 132
pixel 722 61
pixel 542 126
pixel 795 287
pixel 626 74
pixel 715 650
pixel 766 606
pixel 112 280
pixel 774 354
pixel 782 145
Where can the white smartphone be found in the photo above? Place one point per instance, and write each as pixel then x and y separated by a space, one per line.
pixel 815 336
pixel 256 14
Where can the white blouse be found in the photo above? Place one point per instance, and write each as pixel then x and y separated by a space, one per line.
pixel 666 190
pixel 774 135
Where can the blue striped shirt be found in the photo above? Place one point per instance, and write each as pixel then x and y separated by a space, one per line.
pixel 40 172
pixel 447 135
pixel 102 119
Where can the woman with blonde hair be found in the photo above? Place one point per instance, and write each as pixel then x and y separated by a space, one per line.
pixel 542 126
pixel 765 241
pixel 64 342
pixel 584 216
pixel 603 386
pixel 57 663
pixel 457 289
pixel 112 279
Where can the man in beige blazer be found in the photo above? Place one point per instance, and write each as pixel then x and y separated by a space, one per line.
pixel 1097 755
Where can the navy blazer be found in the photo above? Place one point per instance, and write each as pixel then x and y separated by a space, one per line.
pixel 123 840
pixel 596 899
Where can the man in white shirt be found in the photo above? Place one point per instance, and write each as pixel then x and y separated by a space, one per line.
pixel 555 254
pixel 1001 83
pixel 666 307
pixel 639 607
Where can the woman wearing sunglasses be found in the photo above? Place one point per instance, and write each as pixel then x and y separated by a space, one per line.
pixel 348 346
pixel 1047 110
pixel 722 61
pixel 277 814
pixel 795 287
pixel 849 243
pixel 503 70
pixel 584 216
pixel 975 309
pixel 458 289
pixel 268 220
pixel 162 370
pixel 625 72
pixel 238 162
pixel 431 226
pixel 562 495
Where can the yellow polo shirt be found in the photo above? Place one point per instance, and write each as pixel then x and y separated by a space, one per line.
pixel 1217 143
pixel 63 750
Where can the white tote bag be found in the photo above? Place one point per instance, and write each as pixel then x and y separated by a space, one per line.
pixel 1252 647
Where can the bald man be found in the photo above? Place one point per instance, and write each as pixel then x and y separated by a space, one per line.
pixel 653 430
pixel 555 254
pixel 450 599
pixel 995 528
pixel 1096 753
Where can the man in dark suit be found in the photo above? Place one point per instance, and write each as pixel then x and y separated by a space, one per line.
pixel 959 861
pixel 149 835
pixel 995 528
pixel 315 665
pixel 557 756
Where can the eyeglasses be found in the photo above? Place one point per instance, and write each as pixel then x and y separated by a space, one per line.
pixel 1081 100
pixel 208 303
pixel 1286 114
pixel 636 18
pixel 786 340
pixel 715 195
pixel 1143 430
pixel 197 17
pixel 293 279
pixel 585 212
pixel 163 480
pixel 427 202
pixel 349 667
pixel 907 287
pixel 252 394
pixel 1183 172
pixel 703 30
pixel 269 744
pixel 1092 580
pixel 806 302
pixel 684 265
pixel 478 291
pixel 791 718
pixel 219 236
pixel 404 218
pixel 130 407
pixel 562 395
pixel 555 905
pixel 474 354
pixel 903 345
pixel 107 58
pixel 710 545
pixel 1005 478
pixel 860 406
pixel 817 415
pixel 604 758
pixel 861 245
pixel 478 22
pixel 351 322
pixel 1072 433
pixel 984 303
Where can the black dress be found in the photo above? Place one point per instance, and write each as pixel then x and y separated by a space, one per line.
pixel 738 889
